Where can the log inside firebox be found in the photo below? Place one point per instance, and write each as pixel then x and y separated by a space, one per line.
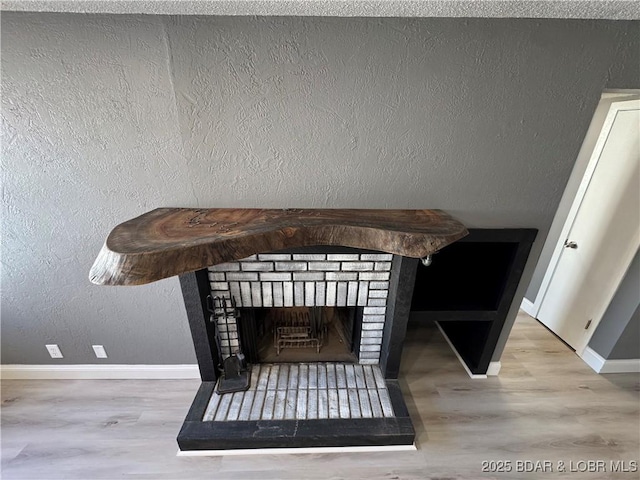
pixel 172 241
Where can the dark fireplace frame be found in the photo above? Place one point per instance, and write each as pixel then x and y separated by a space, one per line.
pixel 196 434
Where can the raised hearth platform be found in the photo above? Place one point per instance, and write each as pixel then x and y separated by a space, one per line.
pixel 354 416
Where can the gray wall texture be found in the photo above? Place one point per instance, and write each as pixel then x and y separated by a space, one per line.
pixel 628 345
pixel 618 333
pixel 609 9
pixel 106 117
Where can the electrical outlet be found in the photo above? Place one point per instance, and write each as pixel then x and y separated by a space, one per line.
pixel 54 351
pixel 100 351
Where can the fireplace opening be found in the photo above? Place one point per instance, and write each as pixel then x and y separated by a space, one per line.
pixel 299 334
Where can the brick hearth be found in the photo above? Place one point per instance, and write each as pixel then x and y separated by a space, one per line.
pixel 304 391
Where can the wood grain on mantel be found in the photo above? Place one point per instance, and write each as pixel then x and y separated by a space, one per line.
pixel 172 241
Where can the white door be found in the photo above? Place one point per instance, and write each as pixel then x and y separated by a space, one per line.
pixel 602 232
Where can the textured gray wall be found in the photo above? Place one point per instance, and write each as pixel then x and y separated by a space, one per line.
pixel 90 140
pixel 628 345
pixel 609 9
pixel 106 117
pixel 618 333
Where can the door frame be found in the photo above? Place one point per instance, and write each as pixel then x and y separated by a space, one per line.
pixel 533 308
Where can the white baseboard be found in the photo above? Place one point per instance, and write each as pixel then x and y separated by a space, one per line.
pixel 296 451
pixel 593 359
pixel 492 371
pixel 602 365
pixel 94 372
pixel 529 307
pixel 631 365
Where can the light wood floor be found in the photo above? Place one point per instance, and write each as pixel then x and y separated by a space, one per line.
pixel 545 405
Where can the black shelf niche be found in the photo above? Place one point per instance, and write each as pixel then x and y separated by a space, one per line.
pixel 469 288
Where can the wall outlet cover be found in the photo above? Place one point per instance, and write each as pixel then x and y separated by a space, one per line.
pixel 54 351
pixel 99 351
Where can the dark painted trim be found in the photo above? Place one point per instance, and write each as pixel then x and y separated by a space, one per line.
pixel 397 399
pixel 200 402
pixel 195 289
pixel 454 315
pixel 295 434
pixel 401 283
pixel 513 280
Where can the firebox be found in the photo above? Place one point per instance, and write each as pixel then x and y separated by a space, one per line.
pixel 321 306
pixel 299 334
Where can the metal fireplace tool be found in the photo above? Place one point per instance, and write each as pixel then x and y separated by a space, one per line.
pixel 235 376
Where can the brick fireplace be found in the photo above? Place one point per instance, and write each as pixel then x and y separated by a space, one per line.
pixel 289 280
pixel 347 275
pixel 359 397
pixel 291 385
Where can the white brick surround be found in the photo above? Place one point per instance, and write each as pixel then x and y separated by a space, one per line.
pixel 332 280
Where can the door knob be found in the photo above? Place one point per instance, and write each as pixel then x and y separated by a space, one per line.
pixel 568 244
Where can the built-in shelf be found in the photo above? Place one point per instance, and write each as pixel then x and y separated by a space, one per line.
pixel 469 288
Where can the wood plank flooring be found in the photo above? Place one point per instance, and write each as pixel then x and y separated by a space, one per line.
pixel 545 405
pixel 305 392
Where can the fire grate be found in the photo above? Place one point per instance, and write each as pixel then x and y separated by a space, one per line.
pixel 302 329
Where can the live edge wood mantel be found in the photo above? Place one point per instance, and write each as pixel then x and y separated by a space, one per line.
pixel 172 241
